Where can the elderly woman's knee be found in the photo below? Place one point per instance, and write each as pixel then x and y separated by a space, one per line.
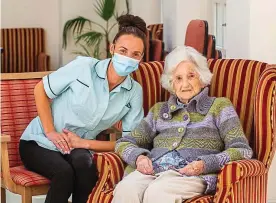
pixel 152 190
pixel 126 187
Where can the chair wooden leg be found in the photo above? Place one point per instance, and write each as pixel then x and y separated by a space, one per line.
pixel 3 195
pixel 27 196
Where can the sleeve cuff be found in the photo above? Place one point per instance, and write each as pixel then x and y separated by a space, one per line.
pixel 134 155
pixel 125 133
pixel 47 87
pixel 211 163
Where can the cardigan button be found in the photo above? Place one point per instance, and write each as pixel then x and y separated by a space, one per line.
pixel 165 115
pixel 173 107
pixel 180 130
pixel 174 144
pixel 185 117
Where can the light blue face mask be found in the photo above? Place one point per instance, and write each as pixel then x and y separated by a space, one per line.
pixel 124 65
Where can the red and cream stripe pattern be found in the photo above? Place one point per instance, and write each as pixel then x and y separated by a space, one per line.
pixel 155 30
pixel 21 48
pixel 237 80
pixel 265 120
pixel 232 179
pixel 148 75
pixel 111 169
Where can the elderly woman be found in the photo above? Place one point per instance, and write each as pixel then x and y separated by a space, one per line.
pixel 180 146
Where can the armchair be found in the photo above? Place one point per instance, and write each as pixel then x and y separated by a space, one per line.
pixel 23 50
pixel 251 86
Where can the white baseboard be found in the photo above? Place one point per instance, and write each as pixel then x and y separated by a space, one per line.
pixel 15 198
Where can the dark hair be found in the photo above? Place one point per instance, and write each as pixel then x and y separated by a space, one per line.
pixel 132 25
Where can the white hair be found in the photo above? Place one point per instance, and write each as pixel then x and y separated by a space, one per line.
pixel 180 54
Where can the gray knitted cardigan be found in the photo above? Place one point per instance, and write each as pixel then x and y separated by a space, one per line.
pixel 207 129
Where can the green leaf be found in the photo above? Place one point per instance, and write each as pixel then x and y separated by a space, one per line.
pixel 127 6
pixel 85 50
pixel 105 8
pixel 90 38
pixel 75 25
pixel 96 52
pixel 111 28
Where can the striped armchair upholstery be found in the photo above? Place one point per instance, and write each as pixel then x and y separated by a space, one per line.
pixel 251 86
pixel 156 31
pixel 148 75
pixel 23 50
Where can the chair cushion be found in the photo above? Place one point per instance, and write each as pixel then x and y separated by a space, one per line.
pixel 21 176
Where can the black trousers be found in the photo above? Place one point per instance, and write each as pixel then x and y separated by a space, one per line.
pixel 73 173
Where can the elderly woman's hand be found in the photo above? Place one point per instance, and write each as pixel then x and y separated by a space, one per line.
pixel 144 165
pixel 194 168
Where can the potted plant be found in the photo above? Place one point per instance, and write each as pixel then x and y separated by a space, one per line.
pixel 90 39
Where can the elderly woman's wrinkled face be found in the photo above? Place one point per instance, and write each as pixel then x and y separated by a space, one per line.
pixel 186 81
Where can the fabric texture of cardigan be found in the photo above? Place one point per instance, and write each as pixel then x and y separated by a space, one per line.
pixel 207 129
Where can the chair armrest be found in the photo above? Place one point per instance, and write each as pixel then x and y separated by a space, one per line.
pixel 110 168
pixel 5 138
pixel 240 170
pixel 43 62
pixel 5 162
pixel 234 175
pixel 113 132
